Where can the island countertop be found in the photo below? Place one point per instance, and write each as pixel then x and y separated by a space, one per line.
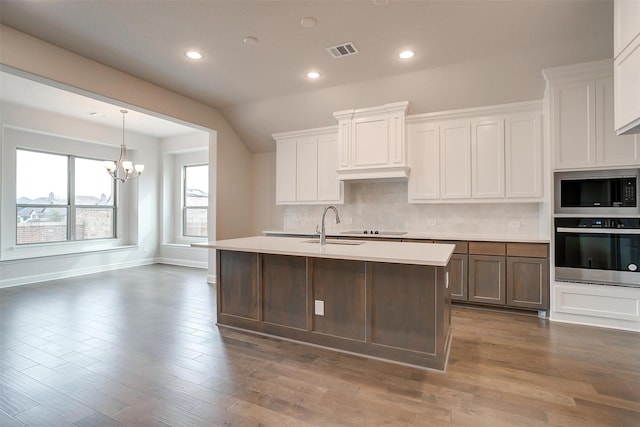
pixel 434 254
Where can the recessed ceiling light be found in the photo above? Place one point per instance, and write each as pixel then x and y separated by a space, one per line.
pixel 193 54
pixel 250 40
pixel 313 75
pixel 97 114
pixel 308 22
pixel 381 2
pixel 406 54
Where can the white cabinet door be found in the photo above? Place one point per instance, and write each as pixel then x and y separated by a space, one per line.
pixel 306 167
pixel 627 88
pixel 424 160
pixel 487 158
pixel 455 160
pixel 613 150
pixel 574 125
pixel 286 159
pixel 370 141
pixel 307 170
pixel 626 24
pixel 329 187
pixel 523 156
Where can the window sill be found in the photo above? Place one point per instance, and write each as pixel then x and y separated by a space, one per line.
pixel 63 249
pixel 180 245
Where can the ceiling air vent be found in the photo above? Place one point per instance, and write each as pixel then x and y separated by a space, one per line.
pixel 344 49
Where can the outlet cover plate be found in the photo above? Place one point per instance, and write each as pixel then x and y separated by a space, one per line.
pixel 319 307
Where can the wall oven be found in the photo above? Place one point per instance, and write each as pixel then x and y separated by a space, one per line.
pixel 598 250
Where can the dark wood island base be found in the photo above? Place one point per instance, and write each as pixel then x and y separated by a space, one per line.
pixel 396 312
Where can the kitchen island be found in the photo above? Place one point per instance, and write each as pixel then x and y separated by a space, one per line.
pixel 384 300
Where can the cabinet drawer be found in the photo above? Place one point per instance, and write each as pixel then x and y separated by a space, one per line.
pixel 487 248
pixel 461 247
pixel 531 250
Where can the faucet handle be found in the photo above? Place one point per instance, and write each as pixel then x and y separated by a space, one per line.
pixel 317 229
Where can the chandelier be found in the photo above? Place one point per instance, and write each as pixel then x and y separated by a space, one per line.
pixel 123 170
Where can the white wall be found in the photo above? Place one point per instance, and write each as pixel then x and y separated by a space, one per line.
pixel 266 215
pixel 227 153
pixel 176 152
pixel 138 240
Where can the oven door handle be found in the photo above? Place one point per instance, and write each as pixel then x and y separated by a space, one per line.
pixel 597 230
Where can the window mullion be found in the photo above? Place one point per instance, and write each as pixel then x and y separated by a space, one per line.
pixel 71 210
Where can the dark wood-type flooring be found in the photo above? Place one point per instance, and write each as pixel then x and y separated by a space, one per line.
pixel 139 347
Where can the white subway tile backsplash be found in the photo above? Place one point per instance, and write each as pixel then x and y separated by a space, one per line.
pixel 384 206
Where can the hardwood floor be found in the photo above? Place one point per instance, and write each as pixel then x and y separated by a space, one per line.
pixel 139 347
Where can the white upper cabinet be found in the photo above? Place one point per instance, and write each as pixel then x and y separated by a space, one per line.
pixel 424 160
pixel 582 121
pixel 329 187
pixel 371 142
pixel 487 154
pixel 307 169
pixel 574 129
pixel 523 155
pixel 487 158
pixel 455 160
pixel 611 149
pixel 626 25
pixel 306 163
pixel 286 160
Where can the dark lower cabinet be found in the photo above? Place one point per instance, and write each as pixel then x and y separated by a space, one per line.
pixel 396 312
pixel 458 277
pixel 527 282
pixel 487 282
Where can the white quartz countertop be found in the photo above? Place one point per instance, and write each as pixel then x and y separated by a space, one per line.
pixel 425 235
pixel 376 251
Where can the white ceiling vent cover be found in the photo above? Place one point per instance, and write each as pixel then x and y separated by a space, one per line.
pixel 344 49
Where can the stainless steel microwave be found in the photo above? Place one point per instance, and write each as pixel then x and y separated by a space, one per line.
pixel 597 192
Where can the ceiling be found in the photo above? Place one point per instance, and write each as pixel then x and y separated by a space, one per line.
pixel 39 96
pixel 480 51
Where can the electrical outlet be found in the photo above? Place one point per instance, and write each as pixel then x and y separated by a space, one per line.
pixel 348 220
pixel 514 224
pixel 431 222
pixel 319 307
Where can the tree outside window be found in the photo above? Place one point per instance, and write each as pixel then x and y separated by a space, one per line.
pixel 195 200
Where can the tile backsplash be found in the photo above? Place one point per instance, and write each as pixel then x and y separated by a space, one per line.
pixel 384 206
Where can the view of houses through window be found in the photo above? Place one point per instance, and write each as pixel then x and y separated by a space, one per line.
pixel 61 198
pixel 196 200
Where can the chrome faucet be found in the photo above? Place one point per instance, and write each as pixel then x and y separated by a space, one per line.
pixel 323 235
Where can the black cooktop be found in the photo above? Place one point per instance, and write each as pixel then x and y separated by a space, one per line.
pixel 375 232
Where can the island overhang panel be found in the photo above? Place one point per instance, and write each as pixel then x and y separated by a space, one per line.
pixel 386 300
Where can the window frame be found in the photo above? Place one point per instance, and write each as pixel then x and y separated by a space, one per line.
pixel 185 207
pixel 71 206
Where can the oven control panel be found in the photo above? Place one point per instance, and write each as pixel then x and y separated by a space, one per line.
pixel 625 223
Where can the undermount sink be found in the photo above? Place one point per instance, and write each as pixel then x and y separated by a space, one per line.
pixel 336 242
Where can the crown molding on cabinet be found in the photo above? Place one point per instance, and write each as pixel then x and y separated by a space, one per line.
pixel 478 112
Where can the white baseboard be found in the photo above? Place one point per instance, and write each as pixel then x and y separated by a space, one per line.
pixel 25 280
pixel 182 262
pixel 595 322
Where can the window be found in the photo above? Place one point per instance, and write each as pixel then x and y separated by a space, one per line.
pixel 195 200
pixel 62 198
